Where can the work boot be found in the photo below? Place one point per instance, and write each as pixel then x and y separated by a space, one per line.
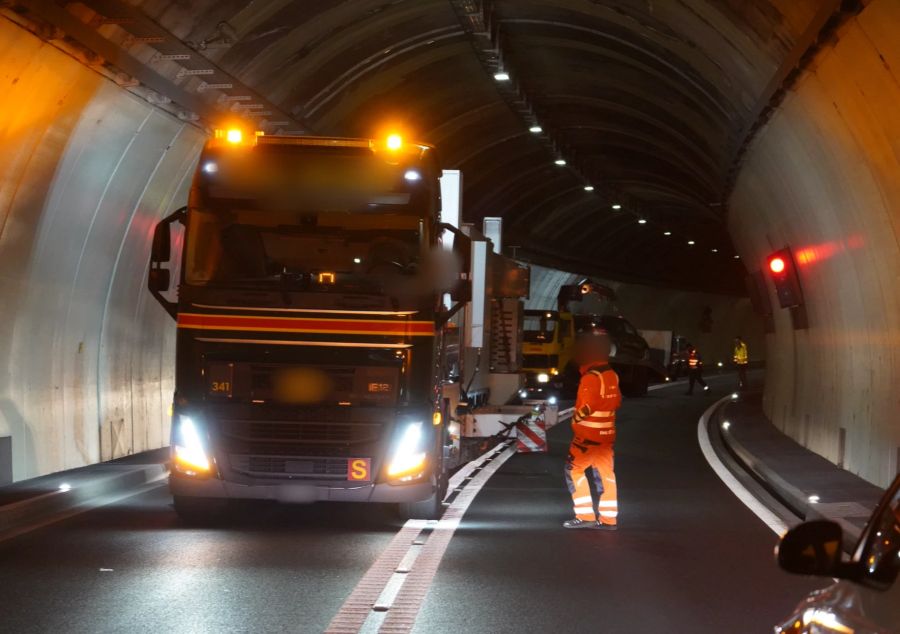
pixel 600 526
pixel 577 523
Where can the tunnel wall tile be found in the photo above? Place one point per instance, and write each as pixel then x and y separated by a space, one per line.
pixel 90 169
pixel 824 178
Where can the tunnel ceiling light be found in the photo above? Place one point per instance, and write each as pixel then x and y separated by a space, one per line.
pixel 715 250
pixel 588 188
pixel 642 221
pixel 616 206
pixel 691 243
pixel 560 162
pixel 667 233
pixel 813 499
pixel 501 75
pixel 737 257
pixel 535 129
pixel 412 175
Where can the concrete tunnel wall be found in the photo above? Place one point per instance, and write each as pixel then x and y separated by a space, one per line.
pixel 824 178
pixel 86 171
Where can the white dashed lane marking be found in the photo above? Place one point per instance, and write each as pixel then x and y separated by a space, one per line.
pixel 389 596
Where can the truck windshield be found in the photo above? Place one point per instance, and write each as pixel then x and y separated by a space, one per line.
pixel 539 327
pixel 302 249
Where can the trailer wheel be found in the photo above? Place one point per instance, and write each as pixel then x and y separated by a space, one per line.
pixel 199 511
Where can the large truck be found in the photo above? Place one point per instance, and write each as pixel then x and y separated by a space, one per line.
pixel 316 316
pixel 549 337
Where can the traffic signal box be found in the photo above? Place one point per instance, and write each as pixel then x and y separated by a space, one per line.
pixel 784 275
pixel 782 269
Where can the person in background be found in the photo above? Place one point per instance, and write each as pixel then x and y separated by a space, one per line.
pixel 594 434
pixel 741 360
pixel 695 370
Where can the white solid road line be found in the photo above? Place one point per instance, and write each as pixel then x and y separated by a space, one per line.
pixel 388 597
pixel 743 494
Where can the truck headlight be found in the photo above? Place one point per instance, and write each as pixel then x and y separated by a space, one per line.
pixel 543 377
pixel 189 453
pixel 408 458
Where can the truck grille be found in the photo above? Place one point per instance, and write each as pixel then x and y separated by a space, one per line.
pixel 291 466
pixel 296 449
pixel 303 433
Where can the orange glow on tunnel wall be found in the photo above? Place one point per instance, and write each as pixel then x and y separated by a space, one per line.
pixel 823 251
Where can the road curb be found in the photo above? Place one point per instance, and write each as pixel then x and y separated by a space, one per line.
pixel 90 491
pixel 794 498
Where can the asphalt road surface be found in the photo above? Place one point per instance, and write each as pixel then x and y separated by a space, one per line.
pixel 688 556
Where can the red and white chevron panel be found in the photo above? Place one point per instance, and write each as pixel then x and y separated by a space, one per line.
pixel 531 435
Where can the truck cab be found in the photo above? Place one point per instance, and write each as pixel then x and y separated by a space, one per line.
pixel 546 350
pixel 309 324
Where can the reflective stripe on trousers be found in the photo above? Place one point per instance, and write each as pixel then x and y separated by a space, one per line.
pixel 595 459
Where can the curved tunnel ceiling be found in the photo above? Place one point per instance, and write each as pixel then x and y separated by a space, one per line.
pixel 647 100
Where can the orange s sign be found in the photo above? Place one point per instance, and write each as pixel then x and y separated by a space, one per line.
pixel 358 469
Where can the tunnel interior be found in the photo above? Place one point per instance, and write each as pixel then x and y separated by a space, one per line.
pixel 667 147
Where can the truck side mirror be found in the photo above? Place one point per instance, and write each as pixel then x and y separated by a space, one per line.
pixel 159 279
pixel 461 290
pixel 161 250
pixel 812 548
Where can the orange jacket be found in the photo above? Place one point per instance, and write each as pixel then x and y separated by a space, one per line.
pixel 597 401
pixel 694 360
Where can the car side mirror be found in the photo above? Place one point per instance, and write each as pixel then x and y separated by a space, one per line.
pixel 812 548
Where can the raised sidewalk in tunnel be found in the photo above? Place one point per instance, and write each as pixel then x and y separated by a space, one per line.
pixel 31 503
pixel 806 483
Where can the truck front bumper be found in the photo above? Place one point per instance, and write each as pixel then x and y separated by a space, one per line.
pixel 294 492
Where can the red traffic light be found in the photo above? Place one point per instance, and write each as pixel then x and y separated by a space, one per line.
pixel 783 273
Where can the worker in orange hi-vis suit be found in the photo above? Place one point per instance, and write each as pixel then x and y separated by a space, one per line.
pixel 594 427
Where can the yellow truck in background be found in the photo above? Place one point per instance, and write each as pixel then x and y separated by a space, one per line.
pixel 549 337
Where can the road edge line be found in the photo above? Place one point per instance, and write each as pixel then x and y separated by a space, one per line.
pixel 766 516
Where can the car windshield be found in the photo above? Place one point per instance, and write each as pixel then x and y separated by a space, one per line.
pixel 539 327
pixel 312 250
